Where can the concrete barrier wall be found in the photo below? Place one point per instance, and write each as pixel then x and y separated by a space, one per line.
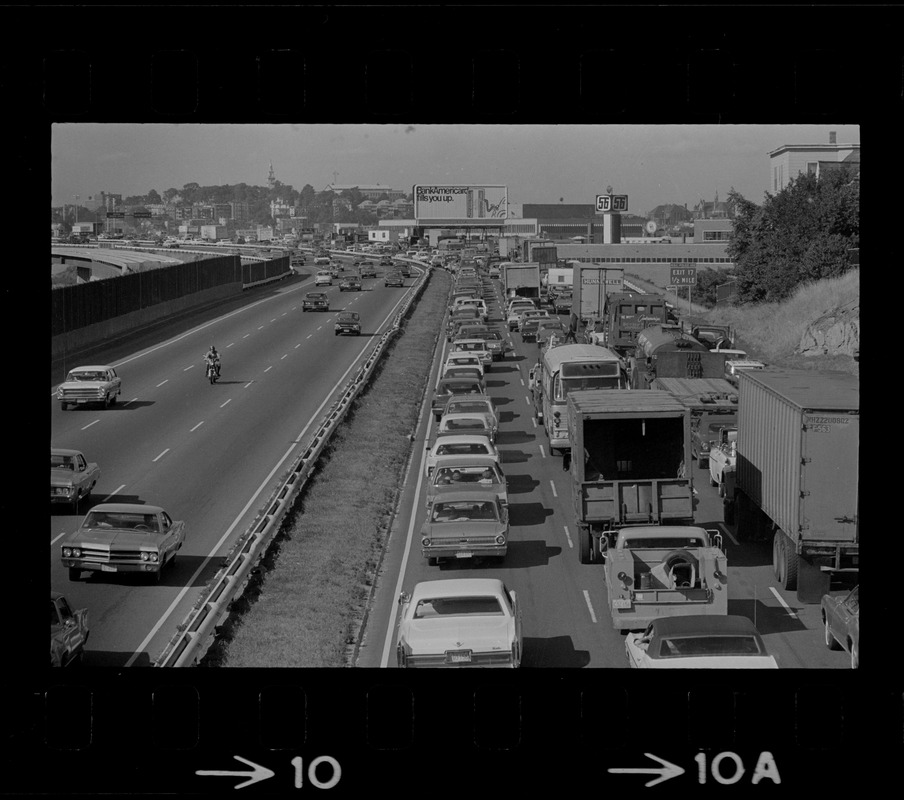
pixel 90 335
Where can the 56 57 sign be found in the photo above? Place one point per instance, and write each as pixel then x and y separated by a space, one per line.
pixel 611 202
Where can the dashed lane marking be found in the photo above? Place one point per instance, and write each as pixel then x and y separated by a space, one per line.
pixel 589 605
pixel 161 383
pixel 782 601
pixel 162 454
pixel 568 536
pixel 222 405
pixel 190 366
pixel 197 426
pixel 542 451
pixel 268 368
pixel 90 424
pixel 554 492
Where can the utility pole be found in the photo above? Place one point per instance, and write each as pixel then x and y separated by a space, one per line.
pixel 76 208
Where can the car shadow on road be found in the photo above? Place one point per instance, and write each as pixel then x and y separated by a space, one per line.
pixel 521 484
pixel 501 401
pixel 554 651
pixel 767 618
pixel 513 456
pixel 175 574
pixel 495 384
pixel 746 554
pixel 514 437
pixel 114 658
pixel 522 514
pixel 119 405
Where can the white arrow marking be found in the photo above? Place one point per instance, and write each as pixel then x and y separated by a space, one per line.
pixel 258 772
pixel 667 771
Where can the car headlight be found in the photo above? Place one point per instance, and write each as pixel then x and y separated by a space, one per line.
pixel 425 542
pixel 67 552
pixel 145 556
pixel 76 552
pixel 500 539
pixel 59 392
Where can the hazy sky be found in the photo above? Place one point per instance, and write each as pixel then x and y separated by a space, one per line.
pixel 652 164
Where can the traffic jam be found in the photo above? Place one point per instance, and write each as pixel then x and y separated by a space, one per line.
pixel 640 456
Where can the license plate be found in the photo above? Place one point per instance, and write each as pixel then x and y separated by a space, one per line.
pixel 464 555
pixel 621 602
pixel 107 568
pixel 458 656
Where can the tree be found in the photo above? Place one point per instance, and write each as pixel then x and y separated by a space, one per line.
pixel 800 234
pixel 169 194
pixel 704 292
pixel 153 197
pixel 307 195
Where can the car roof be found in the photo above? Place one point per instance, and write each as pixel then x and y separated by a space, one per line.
pixel 469 341
pixel 464 438
pixel 466 461
pixel 94 368
pixel 127 508
pixel 60 451
pixel 663 531
pixel 456 415
pixel 457 587
pixel 55 595
pixel 704 625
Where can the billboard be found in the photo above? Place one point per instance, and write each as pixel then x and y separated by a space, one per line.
pixel 440 204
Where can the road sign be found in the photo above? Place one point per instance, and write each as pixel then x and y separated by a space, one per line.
pixel 683 276
pixel 606 203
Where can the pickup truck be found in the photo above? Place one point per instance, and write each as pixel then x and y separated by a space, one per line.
pixel 664 571
pixel 91 384
pixel 723 457
pixel 72 476
pixel 68 632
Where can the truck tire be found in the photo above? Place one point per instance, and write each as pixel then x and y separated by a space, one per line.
pixel 743 516
pixel 584 546
pixel 712 481
pixel 721 486
pixel 784 560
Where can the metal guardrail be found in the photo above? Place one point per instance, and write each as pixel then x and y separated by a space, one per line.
pixel 196 632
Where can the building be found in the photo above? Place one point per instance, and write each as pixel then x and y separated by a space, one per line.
pixel 670 215
pixel 239 212
pixel 790 160
pixel 369 192
pixel 709 231
pixel 714 210
pixel 660 257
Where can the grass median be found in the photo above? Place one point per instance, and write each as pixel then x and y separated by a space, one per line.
pixel 305 605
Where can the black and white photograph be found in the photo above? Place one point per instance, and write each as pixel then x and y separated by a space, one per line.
pixel 577 396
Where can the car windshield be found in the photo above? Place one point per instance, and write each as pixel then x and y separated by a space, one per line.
pixel 462 449
pixel 121 520
pixel 460 511
pixel 458 607
pixel 348 316
pixel 465 406
pixel 61 462
pixel 690 646
pixel 464 423
pixel 86 376
pixel 482 476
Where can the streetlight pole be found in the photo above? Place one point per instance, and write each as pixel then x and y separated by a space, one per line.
pixel 76 208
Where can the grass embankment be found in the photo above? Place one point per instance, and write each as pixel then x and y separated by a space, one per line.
pixel 306 607
pixel 772 332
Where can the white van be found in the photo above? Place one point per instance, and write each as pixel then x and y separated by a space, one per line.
pixel 323 278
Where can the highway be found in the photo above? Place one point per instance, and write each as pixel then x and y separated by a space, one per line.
pixel 209 454
pixel 565 615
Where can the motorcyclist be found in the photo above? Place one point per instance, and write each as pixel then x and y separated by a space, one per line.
pixel 212 356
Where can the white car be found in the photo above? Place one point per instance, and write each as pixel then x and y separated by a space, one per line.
pixel 480 305
pixel 323 278
pixel 455 474
pixel 514 311
pixel 466 423
pixel 472 622
pixel 459 445
pixel 699 641
pixel 475 346
pixel 464 360
pixel 473 404
pixel 531 313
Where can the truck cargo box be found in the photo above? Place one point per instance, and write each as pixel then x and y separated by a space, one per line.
pixel 630 462
pixel 798 450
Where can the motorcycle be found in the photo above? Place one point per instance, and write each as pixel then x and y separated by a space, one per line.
pixel 213 371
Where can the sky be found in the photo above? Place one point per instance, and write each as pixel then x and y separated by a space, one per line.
pixel 652 164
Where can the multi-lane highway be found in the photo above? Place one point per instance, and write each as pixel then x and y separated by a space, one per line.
pixel 209 454
pixel 565 616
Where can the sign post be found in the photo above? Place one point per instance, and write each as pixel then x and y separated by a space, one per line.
pixel 683 276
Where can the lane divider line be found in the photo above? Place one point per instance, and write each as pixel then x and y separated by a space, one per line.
pixel 162 455
pixel 568 536
pixel 223 405
pixel 197 426
pixel 90 424
pixel 161 383
pixel 554 492
pixel 589 605
pixel 781 600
